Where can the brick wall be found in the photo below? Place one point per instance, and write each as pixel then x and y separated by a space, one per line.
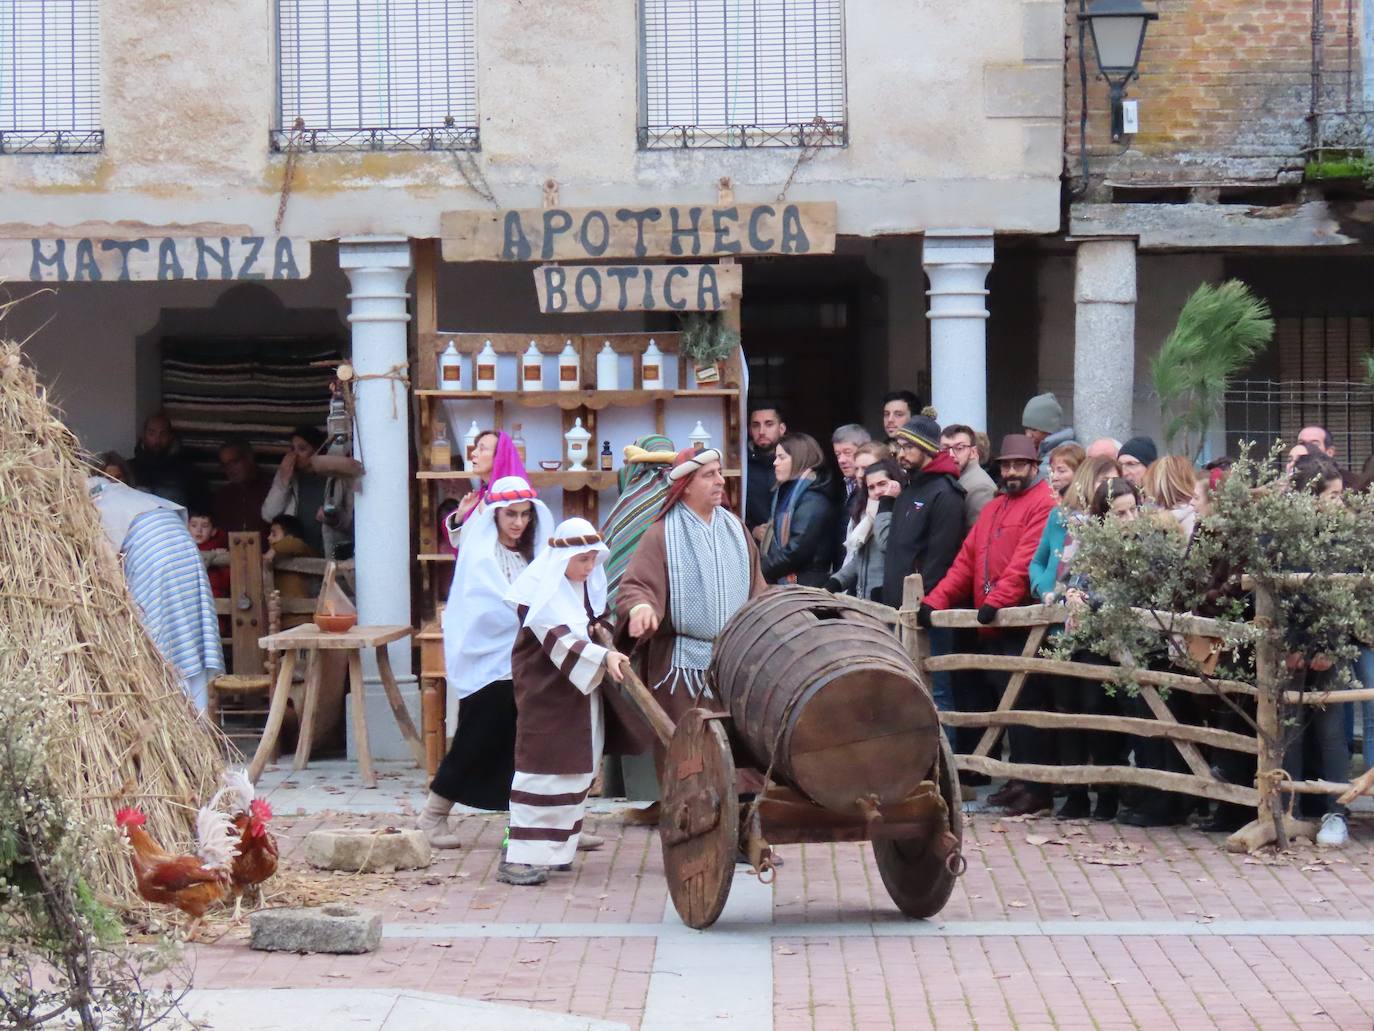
pixel 1224 92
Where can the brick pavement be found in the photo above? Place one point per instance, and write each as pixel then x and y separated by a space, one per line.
pixel 1074 925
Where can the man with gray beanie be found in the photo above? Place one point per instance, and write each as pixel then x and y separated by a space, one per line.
pixel 1043 421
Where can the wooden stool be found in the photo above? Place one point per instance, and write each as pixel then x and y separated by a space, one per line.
pixel 310 639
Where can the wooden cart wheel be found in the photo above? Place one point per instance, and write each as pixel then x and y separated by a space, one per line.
pixel 699 819
pixel 918 875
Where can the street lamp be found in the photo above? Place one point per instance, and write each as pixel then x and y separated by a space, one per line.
pixel 1118 31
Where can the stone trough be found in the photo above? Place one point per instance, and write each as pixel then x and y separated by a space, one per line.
pixel 332 928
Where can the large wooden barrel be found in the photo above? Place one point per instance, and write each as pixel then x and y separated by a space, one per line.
pixel 826 694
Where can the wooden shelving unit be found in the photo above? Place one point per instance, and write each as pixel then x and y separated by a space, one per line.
pixel 554 411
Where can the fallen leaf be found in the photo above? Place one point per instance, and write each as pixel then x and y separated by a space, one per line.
pixel 442 945
pixel 783 950
pixel 1017 904
pixel 1037 839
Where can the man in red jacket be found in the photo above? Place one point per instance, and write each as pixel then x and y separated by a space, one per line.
pixel 991 572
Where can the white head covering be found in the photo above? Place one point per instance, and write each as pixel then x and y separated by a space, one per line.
pixel 479 631
pixel 552 599
pixel 119 505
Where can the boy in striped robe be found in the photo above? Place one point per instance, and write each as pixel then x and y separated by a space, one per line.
pixel 560 724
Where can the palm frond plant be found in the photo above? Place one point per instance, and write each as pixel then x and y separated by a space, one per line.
pixel 1219 332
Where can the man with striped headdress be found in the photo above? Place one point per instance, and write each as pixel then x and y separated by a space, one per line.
pixel 693 569
pixel 643 486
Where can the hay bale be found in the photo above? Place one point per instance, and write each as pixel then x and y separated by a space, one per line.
pixel 127 734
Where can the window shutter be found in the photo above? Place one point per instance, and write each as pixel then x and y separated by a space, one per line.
pixel 50 77
pixel 742 73
pixel 377 74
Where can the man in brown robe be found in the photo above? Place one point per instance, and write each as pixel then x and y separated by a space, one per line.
pixel 692 570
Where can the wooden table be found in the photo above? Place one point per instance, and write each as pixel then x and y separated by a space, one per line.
pixel 310 639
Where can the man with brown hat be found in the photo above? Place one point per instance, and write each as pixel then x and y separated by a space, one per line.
pixel 991 572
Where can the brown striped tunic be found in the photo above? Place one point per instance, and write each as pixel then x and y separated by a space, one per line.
pixel 558 739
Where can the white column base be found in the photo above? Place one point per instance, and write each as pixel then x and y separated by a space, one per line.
pixel 383 736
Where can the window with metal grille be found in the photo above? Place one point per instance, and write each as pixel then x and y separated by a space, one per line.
pixel 50 77
pixel 376 75
pixel 742 73
pixel 1319 361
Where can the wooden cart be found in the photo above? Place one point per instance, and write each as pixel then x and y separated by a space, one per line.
pixel 824 704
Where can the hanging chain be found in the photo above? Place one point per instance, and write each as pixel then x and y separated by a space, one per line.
pixel 293 142
pixel 824 132
pixel 472 175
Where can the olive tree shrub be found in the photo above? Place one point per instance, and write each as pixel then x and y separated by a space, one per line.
pixel 64 960
pixel 1310 562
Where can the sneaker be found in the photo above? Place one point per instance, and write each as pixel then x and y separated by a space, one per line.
pixel 521 873
pixel 1334 832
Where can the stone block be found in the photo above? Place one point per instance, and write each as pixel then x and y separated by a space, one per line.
pixel 1023 90
pixel 1042 31
pixel 362 849
pixel 333 928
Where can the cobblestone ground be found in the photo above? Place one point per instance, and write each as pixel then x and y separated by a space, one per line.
pixel 1054 925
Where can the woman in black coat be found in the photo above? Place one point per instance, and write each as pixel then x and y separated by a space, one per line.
pixel 798 539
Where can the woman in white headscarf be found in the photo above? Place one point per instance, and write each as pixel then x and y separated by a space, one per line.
pixel 479 632
pixel 557 671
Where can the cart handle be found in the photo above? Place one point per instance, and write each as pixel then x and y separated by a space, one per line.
pixel 659 721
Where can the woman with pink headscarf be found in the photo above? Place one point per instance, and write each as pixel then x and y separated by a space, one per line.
pixel 493 457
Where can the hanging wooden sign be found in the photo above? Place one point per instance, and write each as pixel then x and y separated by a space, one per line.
pixel 652 231
pixel 583 288
pixel 88 259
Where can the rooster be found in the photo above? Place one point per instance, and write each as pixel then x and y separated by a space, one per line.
pixel 257 856
pixel 191 883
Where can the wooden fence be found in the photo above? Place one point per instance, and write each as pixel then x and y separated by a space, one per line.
pixel 1272 792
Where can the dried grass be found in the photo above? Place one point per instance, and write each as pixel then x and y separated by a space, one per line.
pixel 131 736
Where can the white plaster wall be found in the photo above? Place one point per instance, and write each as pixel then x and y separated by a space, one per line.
pixel 1164 282
pixel 955 113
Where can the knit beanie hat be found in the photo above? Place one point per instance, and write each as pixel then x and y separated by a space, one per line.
pixel 923 431
pixel 1043 413
pixel 1142 449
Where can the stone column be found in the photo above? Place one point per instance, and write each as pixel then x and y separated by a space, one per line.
pixel 957 262
pixel 378 268
pixel 1104 340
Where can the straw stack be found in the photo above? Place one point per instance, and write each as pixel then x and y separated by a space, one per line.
pixel 127 735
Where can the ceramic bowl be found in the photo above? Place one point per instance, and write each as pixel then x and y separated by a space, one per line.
pixel 550 466
pixel 336 624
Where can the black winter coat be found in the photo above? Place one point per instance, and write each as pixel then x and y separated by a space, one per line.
pixel 927 529
pixel 810 541
pixel 758 495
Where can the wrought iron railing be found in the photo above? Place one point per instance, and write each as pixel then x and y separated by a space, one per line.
pixel 743 136
pixel 52 141
pixel 435 138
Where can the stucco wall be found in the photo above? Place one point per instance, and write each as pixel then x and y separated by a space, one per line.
pixel 954 110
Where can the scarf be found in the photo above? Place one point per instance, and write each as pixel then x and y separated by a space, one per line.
pixel 708 581
pixel 643 486
pixel 780 525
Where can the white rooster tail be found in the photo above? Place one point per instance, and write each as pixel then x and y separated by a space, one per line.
pixel 238 787
pixel 216 838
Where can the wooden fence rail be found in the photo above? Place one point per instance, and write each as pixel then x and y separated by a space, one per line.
pixel 1271 794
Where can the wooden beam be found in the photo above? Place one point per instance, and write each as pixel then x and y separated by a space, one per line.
pixel 1086 776
pixel 1137 725
pixel 1089 671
